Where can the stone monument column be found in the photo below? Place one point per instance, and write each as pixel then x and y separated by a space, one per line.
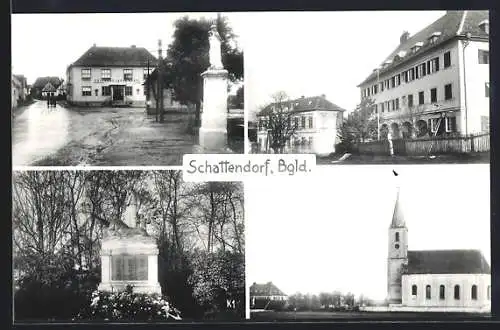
pixel 213 130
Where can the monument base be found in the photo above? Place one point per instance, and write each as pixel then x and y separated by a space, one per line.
pixel 212 138
pixel 138 287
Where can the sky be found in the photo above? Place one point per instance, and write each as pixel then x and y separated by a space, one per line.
pixel 314 53
pixel 329 231
pixel 73 34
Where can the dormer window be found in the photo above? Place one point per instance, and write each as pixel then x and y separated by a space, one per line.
pixel 416 47
pixel 485 26
pixel 434 37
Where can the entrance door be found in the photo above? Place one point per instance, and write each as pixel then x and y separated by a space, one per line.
pixel 117 93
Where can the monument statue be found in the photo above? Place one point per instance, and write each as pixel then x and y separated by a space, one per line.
pixel 127 228
pixel 215 56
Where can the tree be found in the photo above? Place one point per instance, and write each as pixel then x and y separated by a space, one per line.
pixel 279 121
pixel 360 125
pixel 187 58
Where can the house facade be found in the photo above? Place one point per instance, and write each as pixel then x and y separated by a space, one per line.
pixel 444 280
pixel 316 119
pixel 262 295
pixel 109 76
pixel 435 82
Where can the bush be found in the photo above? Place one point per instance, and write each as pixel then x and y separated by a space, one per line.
pixel 128 306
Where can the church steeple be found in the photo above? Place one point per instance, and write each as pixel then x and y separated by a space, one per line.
pixel 398 220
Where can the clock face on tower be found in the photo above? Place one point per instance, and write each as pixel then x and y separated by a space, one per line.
pixel 396 246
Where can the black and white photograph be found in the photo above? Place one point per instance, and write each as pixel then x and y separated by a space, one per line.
pixel 125 88
pixel 371 87
pixel 370 243
pixel 126 246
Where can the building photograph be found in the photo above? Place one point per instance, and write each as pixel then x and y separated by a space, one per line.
pixel 169 84
pixel 413 90
pixel 126 246
pixel 396 242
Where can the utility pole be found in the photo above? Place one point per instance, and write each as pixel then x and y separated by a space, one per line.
pixel 158 84
pixel 160 80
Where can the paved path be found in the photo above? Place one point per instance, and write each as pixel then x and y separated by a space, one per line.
pixel 98 136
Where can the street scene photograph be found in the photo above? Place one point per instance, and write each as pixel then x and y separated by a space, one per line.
pixel 382 242
pixel 126 246
pixel 414 89
pixel 126 89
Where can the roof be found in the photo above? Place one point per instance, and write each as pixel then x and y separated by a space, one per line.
pixel 398 219
pixel 449 25
pixel 116 56
pixel 40 82
pixel 268 289
pixel 49 88
pixel 303 104
pixel 21 78
pixel 447 262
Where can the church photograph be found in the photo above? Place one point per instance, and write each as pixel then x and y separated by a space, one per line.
pixel 374 242
pixel 126 246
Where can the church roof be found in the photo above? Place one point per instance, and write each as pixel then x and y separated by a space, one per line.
pixel 447 262
pixel 398 219
pixel 267 289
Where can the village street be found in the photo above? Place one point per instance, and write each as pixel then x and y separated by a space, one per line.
pixel 63 136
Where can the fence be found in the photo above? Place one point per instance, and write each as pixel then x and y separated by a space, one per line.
pixel 428 145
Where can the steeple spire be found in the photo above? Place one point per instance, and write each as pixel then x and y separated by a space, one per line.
pixel 397 217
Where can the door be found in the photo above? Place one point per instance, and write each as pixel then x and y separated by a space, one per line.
pixel 117 93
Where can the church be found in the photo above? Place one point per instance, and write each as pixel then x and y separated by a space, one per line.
pixel 434 280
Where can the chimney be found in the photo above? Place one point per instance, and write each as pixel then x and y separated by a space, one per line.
pixel 94 45
pixel 404 37
pixel 133 46
pixel 323 96
pixel 302 97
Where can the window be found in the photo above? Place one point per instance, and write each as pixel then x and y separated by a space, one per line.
pixel 417 72
pixel 413 290
pixel 393 82
pixel 396 238
pixel 434 65
pixel 128 90
pixel 486 89
pixel 310 122
pixel 447 59
pixel 127 74
pixel 86 74
pixel 484 56
pixel 433 94
pixel 381 86
pixel 410 100
pixel 411 74
pixel 302 122
pixel 310 140
pixel 382 107
pixel 405 76
pixel 441 292
pixel 129 268
pixel 86 91
pixel 485 124
pixel 447 92
pixel 398 80
pixel 106 91
pixel 397 104
pixel 106 74
pixel 296 122
pixel 427 292
pixel 96 91
pixel 489 292
pixel 424 69
pixel 473 292
pixel 421 98
pixel 456 293
pixel 451 124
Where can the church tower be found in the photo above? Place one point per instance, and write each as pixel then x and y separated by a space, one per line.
pixel 398 253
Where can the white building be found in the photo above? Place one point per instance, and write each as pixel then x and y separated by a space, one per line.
pixel 443 280
pixel 317 121
pixel 109 76
pixel 435 80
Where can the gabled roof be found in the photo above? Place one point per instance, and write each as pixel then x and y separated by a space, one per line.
pixel 116 56
pixel 398 219
pixel 303 104
pixel 268 289
pixel 49 88
pixel 40 82
pixel 452 24
pixel 447 262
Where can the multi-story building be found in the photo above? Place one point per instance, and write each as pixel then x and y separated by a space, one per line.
pixel 109 76
pixel 262 295
pixel 316 120
pixel 435 82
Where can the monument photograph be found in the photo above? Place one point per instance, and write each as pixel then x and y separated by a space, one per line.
pixel 167 85
pixel 409 242
pixel 126 246
pixel 413 90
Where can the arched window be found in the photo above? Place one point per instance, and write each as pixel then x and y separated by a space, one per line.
pixel 397 237
pixel 489 292
pixel 457 292
pixel 428 292
pixel 413 290
pixel 441 292
pixel 473 292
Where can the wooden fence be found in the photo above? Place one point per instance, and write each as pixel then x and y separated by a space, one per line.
pixel 428 145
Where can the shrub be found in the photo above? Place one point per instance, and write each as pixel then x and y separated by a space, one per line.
pixel 128 306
